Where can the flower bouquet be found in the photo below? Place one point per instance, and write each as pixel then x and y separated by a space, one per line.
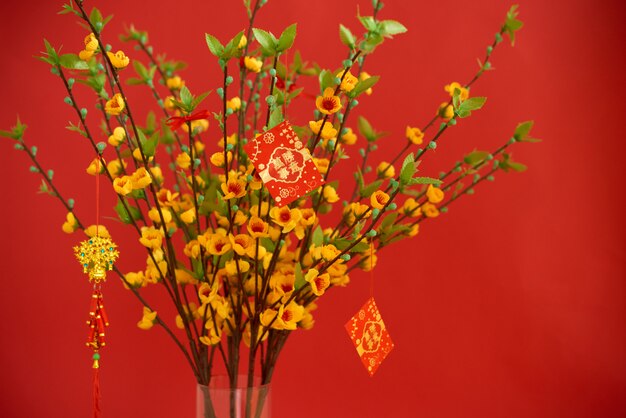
pixel 244 233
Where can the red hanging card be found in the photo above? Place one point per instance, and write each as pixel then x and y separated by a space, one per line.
pixel 369 336
pixel 284 164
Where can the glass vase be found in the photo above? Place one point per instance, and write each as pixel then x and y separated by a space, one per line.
pixel 219 400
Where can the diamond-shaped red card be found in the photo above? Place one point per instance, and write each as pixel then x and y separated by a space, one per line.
pixel 283 164
pixel 369 336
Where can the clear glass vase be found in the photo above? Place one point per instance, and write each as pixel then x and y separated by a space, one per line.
pixel 219 400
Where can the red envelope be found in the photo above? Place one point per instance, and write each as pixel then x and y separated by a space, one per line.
pixel 369 336
pixel 284 164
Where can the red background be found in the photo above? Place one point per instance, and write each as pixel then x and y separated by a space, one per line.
pixel 512 305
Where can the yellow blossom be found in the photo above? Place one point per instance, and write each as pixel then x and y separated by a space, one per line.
pixel 307 320
pixel 217 159
pixel 330 194
pixel 257 228
pixel 197 126
pixel 85 55
pixel 379 199
pixel 234 104
pixel 463 92
pixel 174 83
pixel 285 217
pixel 411 208
pixel 207 293
pixel 134 280
pixel 70 223
pixel 157 174
pixel 368 262
pixel 218 245
pixel 123 185
pixel 192 248
pixel 434 194
pixel 349 138
pixel 116 167
pixel 91 43
pixel 414 135
pixel 445 111
pixel 243 41
pixel 329 252
pixel 242 244
pixel 119 60
pixel 151 237
pixel 234 267
pixel 183 160
pixel 118 136
pixel 429 210
pixel 328 103
pixel 252 64
pixel 321 164
pixel 156 218
pixel 188 216
pixel 348 82
pixel 230 139
pixel 166 197
pixel 95 167
pixel 328 132
pixel 184 277
pixel 97 230
pixel 168 103
pixel 234 188
pixel 148 319
pixel 414 230
pixel 365 76
pixel 319 282
pixel 140 178
pixel 115 106
pixel 214 336
pixel 287 317
pixel 385 170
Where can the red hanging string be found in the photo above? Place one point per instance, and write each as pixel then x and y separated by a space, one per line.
pixel 100 163
pixel 371 269
pixel 96 393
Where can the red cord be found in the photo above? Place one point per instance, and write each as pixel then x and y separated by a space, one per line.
pixel 371 269
pixel 96 393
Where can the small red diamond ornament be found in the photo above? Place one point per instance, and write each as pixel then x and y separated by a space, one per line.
pixel 284 164
pixel 369 336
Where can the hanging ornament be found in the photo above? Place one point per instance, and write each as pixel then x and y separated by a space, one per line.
pixel 97 255
pixel 368 331
pixel 284 164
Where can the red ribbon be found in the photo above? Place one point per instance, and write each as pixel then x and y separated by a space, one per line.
pixel 176 122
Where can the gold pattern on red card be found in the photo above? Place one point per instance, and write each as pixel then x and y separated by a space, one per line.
pixel 284 164
pixel 369 336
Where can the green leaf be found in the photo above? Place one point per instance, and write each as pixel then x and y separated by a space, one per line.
pixel 123 214
pixel 95 17
pixel 141 70
pixel 149 145
pixel 232 47
pixel 515 166
pixel 522 132
pixel 327 79
pixel 276 117
pixel 365 128
pixel 286 38
pixel 512 24
pixel 363 85
pixel 72 62
pixel 368 190
pixel 368 46
pixel 318 237
pixel 476 157
pixel 388 28
pixel 368 22
pixel 186 97
pixel 424 180
pixel 347 38
pixel 214 45
pixel 300 281
pixel 343 243
pixel 389 220
pixel 268 244
pixel 473 103
pixel 197 100
pixel 266 39
pixel 408 169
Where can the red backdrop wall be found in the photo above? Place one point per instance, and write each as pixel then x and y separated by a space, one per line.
pixel 511 305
